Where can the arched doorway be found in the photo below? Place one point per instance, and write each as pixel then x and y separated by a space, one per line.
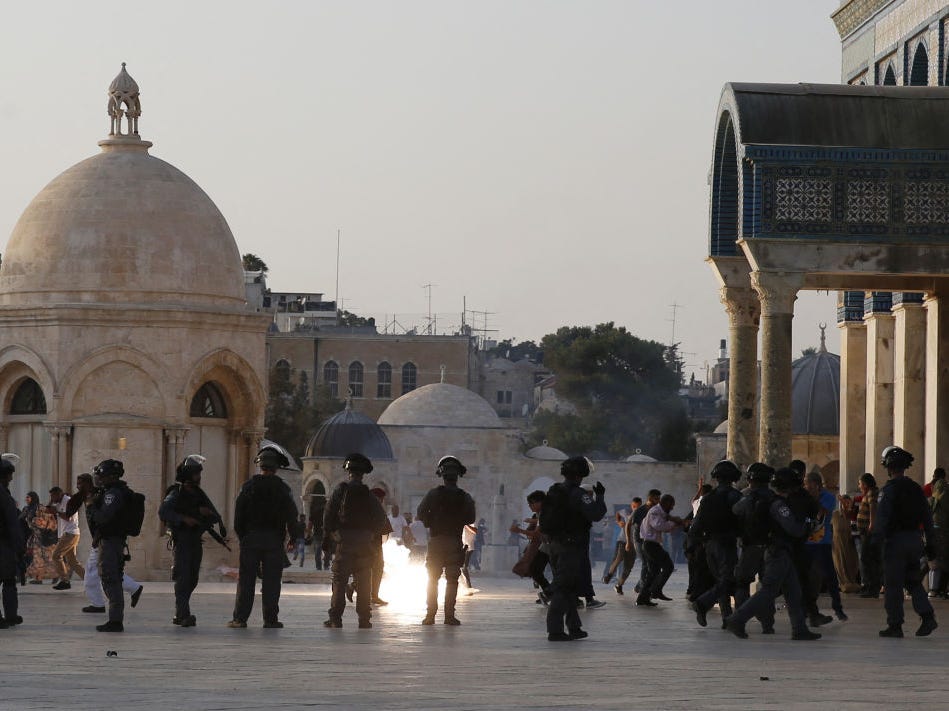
pixel 208 417
pixel 28 438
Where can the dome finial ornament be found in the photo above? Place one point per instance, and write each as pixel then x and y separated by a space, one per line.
pixel 124 101
pixel 823 337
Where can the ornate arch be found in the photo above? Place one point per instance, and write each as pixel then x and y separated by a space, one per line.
pixel 725 192
pixel 238 382
pixel 16 364
pixel 80 371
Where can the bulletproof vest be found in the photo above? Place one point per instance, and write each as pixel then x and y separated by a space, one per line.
pixel 266 499
pixel 560 519
pixel 115 527
pixel 756 522
pixel 450 512
pixel 780 538
pixel 355 512
pixel 908 500
pixel 716 512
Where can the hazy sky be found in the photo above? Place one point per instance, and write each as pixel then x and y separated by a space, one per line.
pixel 546 160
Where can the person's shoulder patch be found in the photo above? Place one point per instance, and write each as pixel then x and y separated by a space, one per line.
pixel 587 499
pixel 784 511
pixel 109 499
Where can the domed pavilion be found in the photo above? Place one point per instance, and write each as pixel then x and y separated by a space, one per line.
pixel 125 331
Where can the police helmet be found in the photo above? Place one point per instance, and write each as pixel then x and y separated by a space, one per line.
pixel 357 463
pixel 109 468
pixel 450 465
pixel 8 462
pixel 190 465
pixel 270 458
pixel 725 470
pixel 785 479
pixel 576 467
pixel 894 457
pixel 760 472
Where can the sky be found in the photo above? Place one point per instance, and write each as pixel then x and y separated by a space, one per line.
pixel 542 162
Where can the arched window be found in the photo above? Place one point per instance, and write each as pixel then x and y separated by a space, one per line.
pixel 409 378
pixel 889 76
pixel 919 74
pixel 355 379
pixel 28 399
pixel 725 206
pixel 331 377
pixel 208 402
pixel 384 380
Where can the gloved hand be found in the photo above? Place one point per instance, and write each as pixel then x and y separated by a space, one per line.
pixel 599 490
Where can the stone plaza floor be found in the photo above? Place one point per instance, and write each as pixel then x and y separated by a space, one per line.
pixel 498 659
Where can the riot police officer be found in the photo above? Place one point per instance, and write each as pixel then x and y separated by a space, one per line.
pixel 901 510
pixel 12 543
pixel 753 512
pixel 717 525
pixel 788 530
pixel 445 510
pixel 805 506
pixel 354 518
pixel 188 512
pixel 568 513
pixel 109 537
pixel 264 514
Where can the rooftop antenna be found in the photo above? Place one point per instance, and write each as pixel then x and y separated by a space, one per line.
pixel 336 298
pixel 429 288
pixel 675 307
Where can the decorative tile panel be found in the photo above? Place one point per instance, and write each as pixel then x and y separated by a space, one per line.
pixel 868 201
pixel 806 199
pixel 925 203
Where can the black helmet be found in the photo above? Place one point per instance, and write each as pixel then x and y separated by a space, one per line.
pixel 108 468
pixel 576 466
pixel 760 472
pixel 8 462
pixel 357 463
pixel 726 470
pixel 270 458
pixel 894 457
pixel 785 479
pixel 450 465
pixel 190 465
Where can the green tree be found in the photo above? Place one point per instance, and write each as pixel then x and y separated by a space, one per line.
pixel 347 318
pixel 292 416
pixel 511 350
pixel 253 263
pixel 625 390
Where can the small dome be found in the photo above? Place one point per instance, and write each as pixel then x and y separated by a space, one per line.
pixel 347 432
pixel 441 405
pixel 722 428
pixel 640 457
pixel 549 454
pixel 815 394
pixel 123 83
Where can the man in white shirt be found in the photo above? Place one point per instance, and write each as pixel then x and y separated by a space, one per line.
pixel 657 522
pixel 64 554
pixel 398 523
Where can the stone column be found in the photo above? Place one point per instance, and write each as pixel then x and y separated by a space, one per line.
pixel 880 336
pixel 937 387
pixel 174 441
pixel 744 312
pixel 54 434
pixel 252 440
pixel 777 292
pixel 909 373
pixel 853 398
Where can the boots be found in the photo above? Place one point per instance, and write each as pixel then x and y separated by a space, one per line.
pixel 928 625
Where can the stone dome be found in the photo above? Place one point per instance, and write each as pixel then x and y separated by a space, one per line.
pixel 640 457
pixel 440 405
pixel 122 227
pixel 546 453
pixel 815 394
pixel 346 432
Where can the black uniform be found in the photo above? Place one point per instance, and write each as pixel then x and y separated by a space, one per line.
pixel 569 541
pixel 264 514
pixel 12 546
pixel 805 506
pixel 105 514
pixel 181 501
pixel 717 525
pixel 788 531
pixel 753 512
pixel 355 519
pixel 445 510
pixel 901 511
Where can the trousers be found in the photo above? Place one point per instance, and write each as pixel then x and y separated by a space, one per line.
pixel 187 566
pixel 261 551
pixel 660 568
pixel 778 576
pixel 902 553
pixel 445 554
pixel 353 559
pixel 566 562
pixel 722 556
pixel 750 566
pixel 93 584
pixel 64 557
pixel 111 572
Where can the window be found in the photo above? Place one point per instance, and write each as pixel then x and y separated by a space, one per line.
pixel 889 76
pixel 331 377
pixel 384 380
pixel 919 74
pixel 504 397
pixel 409 378
pixel 28 399
pixel 208 402
pixel 355 379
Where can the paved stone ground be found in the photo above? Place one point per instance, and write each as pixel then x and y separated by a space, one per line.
pixel 499 659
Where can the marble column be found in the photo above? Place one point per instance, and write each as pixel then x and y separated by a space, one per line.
pixel 252 439
pixel 744 312
pixel 777 292
pixel 937 388
pixel 909 373
pixel 54 434
pixel 880 337
pixel 853 401
pixel 174 441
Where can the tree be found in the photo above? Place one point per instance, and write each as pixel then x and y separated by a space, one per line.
pixel 525 349
pixel 347 318
pixel 291 418
pixel 625 390
pixel 253 263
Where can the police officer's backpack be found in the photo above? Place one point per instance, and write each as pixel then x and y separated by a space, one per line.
pixel 555 511
pixel 133 513
pixel 355 508
pixel 756 523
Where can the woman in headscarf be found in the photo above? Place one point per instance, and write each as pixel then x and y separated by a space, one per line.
pixel 844 551
pixel 42 539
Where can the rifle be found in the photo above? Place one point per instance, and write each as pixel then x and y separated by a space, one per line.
pixel 219 537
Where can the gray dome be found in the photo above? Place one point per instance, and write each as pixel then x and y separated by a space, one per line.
pixel 441 405
pixel 550 454
pixel 347 432
pixel 815 394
